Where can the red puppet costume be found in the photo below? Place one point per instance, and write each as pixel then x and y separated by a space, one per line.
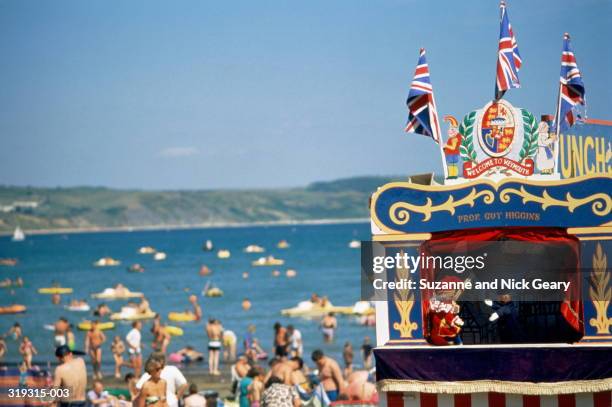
pixel 445 325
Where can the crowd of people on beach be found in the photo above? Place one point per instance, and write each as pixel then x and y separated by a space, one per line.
pixel 279 378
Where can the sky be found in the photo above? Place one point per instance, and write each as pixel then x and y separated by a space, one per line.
pixel 257 94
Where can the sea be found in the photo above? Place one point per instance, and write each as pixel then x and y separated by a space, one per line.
pixel 320 254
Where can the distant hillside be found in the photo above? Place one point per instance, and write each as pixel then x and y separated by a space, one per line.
pixel 89 207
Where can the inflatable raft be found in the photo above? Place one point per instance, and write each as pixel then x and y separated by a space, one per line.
pixel 181 316
pixel 13 309
pixel 78 308
pixel 127 316
pixel 309 309
pixel 213 292
pixel 55 290
pixel 268 261
pixel 112 294
pixel 106 262
pixel 103 326
pixel 174 330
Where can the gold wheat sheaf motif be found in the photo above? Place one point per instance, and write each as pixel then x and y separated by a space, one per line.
pixel 601 202
pixel 400 211
pixel 404 302
pixel 600 291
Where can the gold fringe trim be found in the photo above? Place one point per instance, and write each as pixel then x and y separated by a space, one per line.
pixel 498 386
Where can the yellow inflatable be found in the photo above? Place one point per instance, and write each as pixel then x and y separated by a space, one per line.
pixel 86 325
pixel 181 316
pixel 214 292
pixel 55 290
pixel 174 330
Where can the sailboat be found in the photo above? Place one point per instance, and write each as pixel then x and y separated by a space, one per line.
pixel 18 235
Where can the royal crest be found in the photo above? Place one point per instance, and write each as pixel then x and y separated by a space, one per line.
pixel 497 130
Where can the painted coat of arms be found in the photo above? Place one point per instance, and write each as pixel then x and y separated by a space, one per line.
pixel 507 141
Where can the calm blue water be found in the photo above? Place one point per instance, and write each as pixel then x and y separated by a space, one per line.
pixel 320 254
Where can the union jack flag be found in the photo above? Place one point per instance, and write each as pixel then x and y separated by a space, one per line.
pixel 571 91
pixel 422 114
pixel 508 57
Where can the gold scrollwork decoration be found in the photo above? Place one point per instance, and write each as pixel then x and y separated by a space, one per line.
pixel 600 291
pixel 602 203
pixel 400 211
pixel 404 302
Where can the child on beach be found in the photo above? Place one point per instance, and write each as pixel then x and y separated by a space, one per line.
pixel 27 350
pixel 117 348
pixel 153 393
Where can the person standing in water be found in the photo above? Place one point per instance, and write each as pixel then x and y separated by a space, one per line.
pixel 366 352
pixel 347 355
pixel 295 340
pixel 197 310
pixel 60 328
pixel 281 341
pixel 214 333
pixel 117 348
pixel 329 323
pixel 133 339
pixel 93 346
pixel 27 350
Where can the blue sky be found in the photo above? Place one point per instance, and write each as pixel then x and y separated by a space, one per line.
pixel 231 94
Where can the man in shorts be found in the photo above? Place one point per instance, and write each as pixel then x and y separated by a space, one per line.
pixel 214 333
pixel 133 339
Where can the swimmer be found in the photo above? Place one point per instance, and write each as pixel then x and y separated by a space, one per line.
pixel 246 304
pixel 189 354
pixel 197 310
pixel 55 299
pixel 245 275
pixel 291 273
pixel 276 273
pixel 144 307
pixel 163 339
pixel 204 270
pixel 15 331
pixel 61 328
pixel 102 310
pixel 329 323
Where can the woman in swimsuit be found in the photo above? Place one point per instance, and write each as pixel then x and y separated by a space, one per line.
pixel 27 350
pixel 153 393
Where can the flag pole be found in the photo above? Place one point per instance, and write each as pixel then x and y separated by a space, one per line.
pixel 558 117
pixel 433 118
pixel 558 131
